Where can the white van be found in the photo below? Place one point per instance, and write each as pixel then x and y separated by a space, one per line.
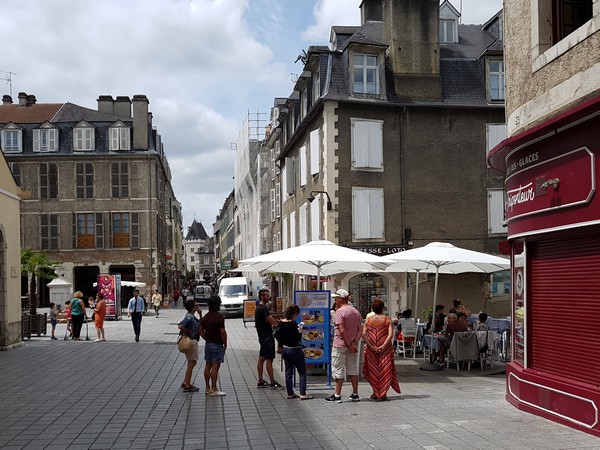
pixel 233 291
pixel 202 293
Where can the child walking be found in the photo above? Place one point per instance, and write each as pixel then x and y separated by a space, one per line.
pixel 54 310
pixel 68 316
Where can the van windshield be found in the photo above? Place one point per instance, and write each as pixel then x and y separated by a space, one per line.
pixel 233 290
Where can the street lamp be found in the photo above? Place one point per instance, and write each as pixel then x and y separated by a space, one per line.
pixel 311 197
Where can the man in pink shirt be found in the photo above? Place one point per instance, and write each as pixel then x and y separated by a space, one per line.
pixel 344 355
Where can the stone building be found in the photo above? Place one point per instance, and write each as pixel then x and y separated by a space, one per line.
pixel 10 260
pixel 96 189
pixel 550 161
pixel 381 146
pixel 199 252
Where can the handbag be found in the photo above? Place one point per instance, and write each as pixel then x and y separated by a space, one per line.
pixel 184 343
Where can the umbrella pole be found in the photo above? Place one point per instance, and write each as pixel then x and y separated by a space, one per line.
pixel 417 295
pixel 431 366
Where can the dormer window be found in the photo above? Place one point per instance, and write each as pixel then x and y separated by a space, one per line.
pixel 366 74
pixel 83 137
pixel 119 137
pixel 448 34
pixel 495 72
pixel 12 139
pixel 45 139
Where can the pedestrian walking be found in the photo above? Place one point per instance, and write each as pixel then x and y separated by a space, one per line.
pixel 157 301
pixel 99 315
pixel 344 355
pixel 135 309
pixel 264 324
pixel 54 310
pixel 212 330
pixel 78 314
pixel 69 329
pixel 190 326
pixel 184 294
pixel 175 296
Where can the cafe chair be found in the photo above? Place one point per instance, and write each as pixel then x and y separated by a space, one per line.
pixel 491 340
pixel 463 348
pixel 407 343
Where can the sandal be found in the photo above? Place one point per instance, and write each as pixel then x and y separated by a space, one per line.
pixel 289 397
pixel 373 397
pixel 306 397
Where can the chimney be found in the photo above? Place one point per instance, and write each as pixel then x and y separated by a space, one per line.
pixel 22 99
pixel 106 104
pixel 141 122
pixel 411 31
pixel 123 106
pixel 370 11
pixel 31 100
pixel 7 100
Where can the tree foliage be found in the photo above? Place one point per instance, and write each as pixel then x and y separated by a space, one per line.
pixel 36 265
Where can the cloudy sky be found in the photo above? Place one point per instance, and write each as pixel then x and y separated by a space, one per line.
pixel 203 64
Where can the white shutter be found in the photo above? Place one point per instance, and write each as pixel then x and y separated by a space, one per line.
pixel 303 224
pixel 36 140
pixel 277 200
pixel 315 220
pixel 367 144
pixel 272 205
pixel 114 138
pixel 293 229
pixel 495 133
pixel 496 211
pixel 52 140
pixel 284 230
pixel 124 132
pixel 303 166
pixel 367 214
pixel 315 152
pixel 3 141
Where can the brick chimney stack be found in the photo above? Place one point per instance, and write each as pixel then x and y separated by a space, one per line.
pixel 22 99
pixel 106 104
pixel 141 122
pixel 7 100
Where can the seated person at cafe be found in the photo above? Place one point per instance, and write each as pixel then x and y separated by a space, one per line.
pixel 406 324
pixel 454 326
pixel 482 325
pixel 438 320
pixel 460 308
pixel 462 317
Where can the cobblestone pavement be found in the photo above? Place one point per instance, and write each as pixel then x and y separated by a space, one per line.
pixel 121 394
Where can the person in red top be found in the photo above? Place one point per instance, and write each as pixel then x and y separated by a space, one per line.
pixel 175 296
pixel 99 315
pixel 454 326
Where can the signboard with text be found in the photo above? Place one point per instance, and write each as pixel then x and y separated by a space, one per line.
pixel 315 314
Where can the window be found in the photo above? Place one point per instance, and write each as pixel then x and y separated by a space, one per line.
pixel 119 137
pixel 293 229
pixel 83 137
pixel 120 180
pixel 16 171
pixel 448 31
pixel 495 133
pixel 45 139
pixel 48 181
pixel 290 178
pixel 85 230
pixel 49 231
pixel 11 139
pixel 272 197
pixel 84 176
pixel 316 86
pixel 277 199
pixel 366 74
pixel 367 213
pixel 206 260
pixel 315 152
pixel 191 259
pixel 367 144
pixel 495 80
pixel 496 211
pixel 568 15
pixel 120 231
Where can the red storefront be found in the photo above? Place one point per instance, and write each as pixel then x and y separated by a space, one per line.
pixel 553 217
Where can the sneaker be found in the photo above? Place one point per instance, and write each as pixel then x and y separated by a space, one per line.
pixel 334 399
pixel 262 384
pixel 191 389
pixel 218 394
pixel 354 397
pixel 96 340
pixel 275 385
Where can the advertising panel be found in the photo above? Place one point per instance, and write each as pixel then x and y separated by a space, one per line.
pixel 315 315
pixel 110 287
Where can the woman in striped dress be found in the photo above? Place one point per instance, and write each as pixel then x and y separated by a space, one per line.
pixel 379 368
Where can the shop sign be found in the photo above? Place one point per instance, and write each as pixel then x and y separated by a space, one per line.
pixel 537 184
pixel 381 250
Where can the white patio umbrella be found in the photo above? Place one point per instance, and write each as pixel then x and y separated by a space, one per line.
pixel 316 257
pixel 445 258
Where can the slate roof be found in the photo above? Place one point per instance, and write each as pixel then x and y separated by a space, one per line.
pixel 196 232
pixel 54 112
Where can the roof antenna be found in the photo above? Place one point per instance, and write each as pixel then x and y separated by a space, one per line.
pixel 8 79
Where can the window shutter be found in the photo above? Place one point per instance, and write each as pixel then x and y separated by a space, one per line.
pixel 74 230
pixel 135 230
pixel 284 228
pixel 303 224
pixel 290 178
pixel 36 140
pixel 114 138
pixel 496 211
pixel 89 180
pixel 99 231
pixel 315 220
pixel 293 229
pixel 376 215
pixel 315 152
pixel 367 144
pixel 360 214
pixel 53 180
pixel 272 197
pixel 79 179
pixel 3 141
pixel 52 139
pixel 277 200
pixel 495 133
pixel 303 166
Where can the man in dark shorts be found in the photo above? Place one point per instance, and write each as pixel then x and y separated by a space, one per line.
pixel 213 332
pixel 264 323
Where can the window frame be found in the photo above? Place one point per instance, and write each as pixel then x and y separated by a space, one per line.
pixel 119 137
pixel 367 206
pixel 121 229
pixel 86 230
pixel 11 129
pixel 365 67
pixel 81 142
pixel 120 187
pixel 84 180
pixel 45 139
pixel 444 25
pixel 48 181
pixel 501 80
pixel 49 228
pixel 366 144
